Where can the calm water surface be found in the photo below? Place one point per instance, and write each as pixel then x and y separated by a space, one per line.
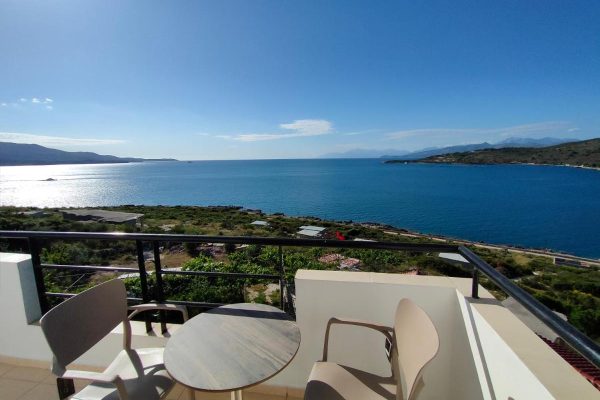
pixel 531 206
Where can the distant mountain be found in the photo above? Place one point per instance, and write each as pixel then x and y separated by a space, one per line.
pixel 583 153
pixel 510 142
pixel 394 154
pixel 363 153
pixel 528 142
pixel 33 154
pixel 417 155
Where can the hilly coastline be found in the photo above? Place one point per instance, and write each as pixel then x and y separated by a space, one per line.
pixel 509 142
pixel 585 153
pixel 33 154
pixel 395 154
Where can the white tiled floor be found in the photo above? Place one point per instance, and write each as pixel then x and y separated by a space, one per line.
pixel 27 383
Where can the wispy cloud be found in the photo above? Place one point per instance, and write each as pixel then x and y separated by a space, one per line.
pixel 298 128
pixel 537 129
pixel 23 101
pixel 36 100
pixel 54 140
pixel 361 132
pixel 309 127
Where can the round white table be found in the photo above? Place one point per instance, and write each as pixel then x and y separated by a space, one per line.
pixel 232 347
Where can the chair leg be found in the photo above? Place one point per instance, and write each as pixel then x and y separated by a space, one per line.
pixel 66 387
pixel 236 395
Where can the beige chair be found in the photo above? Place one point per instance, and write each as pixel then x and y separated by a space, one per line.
pixel 414 343
pixel 74 326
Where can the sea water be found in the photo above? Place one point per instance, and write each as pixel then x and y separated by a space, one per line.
pixel 530 206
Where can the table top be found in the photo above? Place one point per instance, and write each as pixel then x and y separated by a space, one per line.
pixel 232 347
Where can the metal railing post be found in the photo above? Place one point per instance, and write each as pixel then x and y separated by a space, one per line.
pixel 281 279
pixel 160 296
pixel 65 387
pixel 143 280
pixel 38 274
pixel 475 283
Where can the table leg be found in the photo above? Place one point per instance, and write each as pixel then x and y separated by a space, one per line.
pixel 191 394
pixel 236 395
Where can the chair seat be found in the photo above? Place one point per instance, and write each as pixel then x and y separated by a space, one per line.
pixel 335 382
pixel 143 374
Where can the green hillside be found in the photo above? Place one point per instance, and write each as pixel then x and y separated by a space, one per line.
pixel 34 154
pixel 583 153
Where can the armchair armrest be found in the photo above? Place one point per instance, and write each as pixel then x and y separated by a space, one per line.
pixel 98 377
pixel 385 330
pixel 148 307
pixel 158 306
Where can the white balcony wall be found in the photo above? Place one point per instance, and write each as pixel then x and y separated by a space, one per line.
pixel 485 351
pixel 506 376
pixel 321 295
pixel 21 337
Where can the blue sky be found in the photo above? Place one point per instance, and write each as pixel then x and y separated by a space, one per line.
pixel 283 79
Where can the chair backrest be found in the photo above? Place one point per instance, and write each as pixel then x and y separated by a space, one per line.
pixel 416 342
pixel 77 324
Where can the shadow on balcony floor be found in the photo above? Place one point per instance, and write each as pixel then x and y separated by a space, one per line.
pixel 30 383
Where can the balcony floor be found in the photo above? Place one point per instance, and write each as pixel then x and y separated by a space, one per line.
pixel 29 383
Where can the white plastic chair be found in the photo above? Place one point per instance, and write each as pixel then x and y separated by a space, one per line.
pixel 77 324
pixel 414 343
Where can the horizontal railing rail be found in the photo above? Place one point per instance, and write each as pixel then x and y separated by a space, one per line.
pixel 90 267
pixel 139 300
pixel 580 342
pixel 266 241
pixel 583 344
pixel 233 275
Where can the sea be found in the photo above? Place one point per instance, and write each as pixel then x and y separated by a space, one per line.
pixel 544 207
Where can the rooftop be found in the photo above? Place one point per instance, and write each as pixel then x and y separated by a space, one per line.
pixel 116 217
pixel 260 223
pixel 309 232
pixel 313 228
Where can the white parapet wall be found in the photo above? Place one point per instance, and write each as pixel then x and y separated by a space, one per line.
pixel 321 295
pixel 514 361
pixel 485 351
pixel 21 338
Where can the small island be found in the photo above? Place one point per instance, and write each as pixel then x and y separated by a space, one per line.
pixel 585 153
